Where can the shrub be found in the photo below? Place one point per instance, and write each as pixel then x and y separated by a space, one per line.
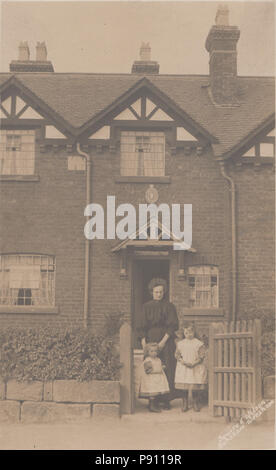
pixel 49 354
pixel 267 339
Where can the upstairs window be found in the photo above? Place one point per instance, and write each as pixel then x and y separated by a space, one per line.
pixel 27 280
pixel 142 153
pixel 17 152
pixel 203 283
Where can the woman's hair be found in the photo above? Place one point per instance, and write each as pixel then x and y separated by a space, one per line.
pixel 156 281
pixel 148 347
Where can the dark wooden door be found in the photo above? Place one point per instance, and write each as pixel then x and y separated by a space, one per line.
pixel 143 272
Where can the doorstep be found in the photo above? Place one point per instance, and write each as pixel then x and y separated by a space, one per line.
pixel 174 415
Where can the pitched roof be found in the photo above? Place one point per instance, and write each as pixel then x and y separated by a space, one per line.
pixel 77 98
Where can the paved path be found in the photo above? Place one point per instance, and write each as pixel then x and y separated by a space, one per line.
pixel 132 436
pixel 175 415
pixel 170 430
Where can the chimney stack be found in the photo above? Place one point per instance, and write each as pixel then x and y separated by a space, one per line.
pixel 145 65
pixel 24 64
pixel 221 44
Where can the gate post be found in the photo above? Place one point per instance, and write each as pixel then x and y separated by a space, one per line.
pixel 214 379
pixel 126 376
pixel 211 370
pixel 257 383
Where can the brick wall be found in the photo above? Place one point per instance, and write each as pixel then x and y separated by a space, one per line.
pixel 195 180
pixel 255 239
pixel 47 217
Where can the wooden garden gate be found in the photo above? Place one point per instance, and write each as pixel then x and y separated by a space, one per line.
pixel 234 367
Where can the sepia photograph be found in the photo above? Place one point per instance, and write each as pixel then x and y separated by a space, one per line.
pixel 137 216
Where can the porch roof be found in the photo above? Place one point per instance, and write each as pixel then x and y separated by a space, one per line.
pixel 141 238
pixel 149 243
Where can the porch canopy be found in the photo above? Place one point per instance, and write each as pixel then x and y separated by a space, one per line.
pixel 162 238
pixel 141 243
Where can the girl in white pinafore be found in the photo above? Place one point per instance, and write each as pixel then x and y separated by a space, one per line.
pixel 191 372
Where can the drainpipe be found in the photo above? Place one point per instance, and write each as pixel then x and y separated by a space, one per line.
pixel 233 238
pixel 87 242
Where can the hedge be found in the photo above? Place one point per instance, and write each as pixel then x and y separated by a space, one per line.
pixel 51 354
pixel 267 318
pixel 48 354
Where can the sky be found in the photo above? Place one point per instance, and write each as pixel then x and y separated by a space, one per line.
pixel 101 36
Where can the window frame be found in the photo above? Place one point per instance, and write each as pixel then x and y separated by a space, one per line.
pixel 50 267
pixel 20 130
pixel 143 177
pixel 190 275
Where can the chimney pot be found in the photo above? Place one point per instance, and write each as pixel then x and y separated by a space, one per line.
pixel 41 52
pixel 23 51
pixel 145 51
pixel 222 16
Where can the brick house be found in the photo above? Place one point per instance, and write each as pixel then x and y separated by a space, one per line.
pixel 68 139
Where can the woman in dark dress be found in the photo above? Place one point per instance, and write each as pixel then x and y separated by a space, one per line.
pixel 158 325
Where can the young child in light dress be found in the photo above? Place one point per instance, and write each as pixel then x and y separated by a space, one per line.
pixel 191 372
pixel 153 380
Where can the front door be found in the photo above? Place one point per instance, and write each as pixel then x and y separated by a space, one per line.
pixel 143 272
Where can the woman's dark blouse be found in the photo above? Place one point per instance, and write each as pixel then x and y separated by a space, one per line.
pixel 158 318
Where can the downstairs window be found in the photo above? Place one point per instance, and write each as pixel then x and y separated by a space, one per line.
pixel 27 279
pixel 203 283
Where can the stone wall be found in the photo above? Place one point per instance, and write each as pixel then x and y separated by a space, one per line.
pixel 58 401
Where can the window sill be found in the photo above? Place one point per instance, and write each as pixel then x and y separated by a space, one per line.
pixel 212 312
pixel 28 309
pixel 143 179
pixel 30 178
